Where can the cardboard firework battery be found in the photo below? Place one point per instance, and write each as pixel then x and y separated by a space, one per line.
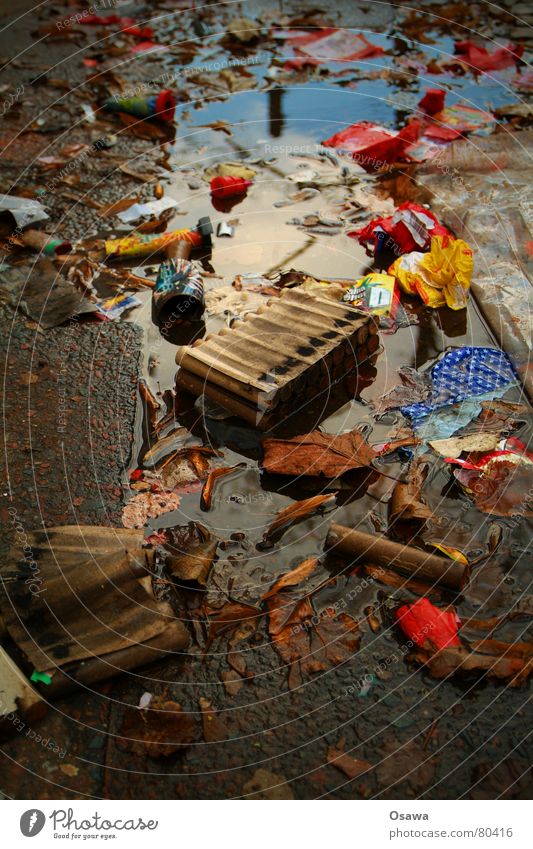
pixel 278 357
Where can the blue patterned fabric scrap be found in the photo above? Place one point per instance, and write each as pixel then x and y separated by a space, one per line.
pixel 464 373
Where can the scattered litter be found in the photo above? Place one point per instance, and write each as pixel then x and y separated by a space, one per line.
pixel 479 58
pixel 440 277
pixel 23 210
pixel 462 374
pixel 161 106
pixel 113 308
pixel 409 229
pixel 141 210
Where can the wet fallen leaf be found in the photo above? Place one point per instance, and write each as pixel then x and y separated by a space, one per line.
pixel 307 647
pixel 194 563
pixel 267 785
pixel 351 767
pixel 293 578
pixel 157 731
pixel 237 662
pixel 228 618
pixel 317 453
pixel 392 579
pixel 208 488
pixel 219 126
pixel 414 388
pixel 28 377
pixel 295 513
pixel 141 129
pixel 69 769
pixel 500 489
pixel 512 662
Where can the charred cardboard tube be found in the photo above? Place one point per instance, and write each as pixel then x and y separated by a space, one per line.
pixel 174 638
pixel 392 555
pixel 43 242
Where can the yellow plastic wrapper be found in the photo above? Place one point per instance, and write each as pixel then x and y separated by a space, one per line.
pixel 441 276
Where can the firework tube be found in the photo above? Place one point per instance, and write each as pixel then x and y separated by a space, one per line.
pixel 143 244
pixel 161 106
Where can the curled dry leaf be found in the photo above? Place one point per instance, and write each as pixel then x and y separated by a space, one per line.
pixel 317 453
pixel 206 497
pixel 295 513
pixel 293 578
pixel 406 504
pixel 159 730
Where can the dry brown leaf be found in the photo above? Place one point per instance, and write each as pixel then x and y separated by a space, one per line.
pixel 455 446
pixel 118 206
pixel 317 453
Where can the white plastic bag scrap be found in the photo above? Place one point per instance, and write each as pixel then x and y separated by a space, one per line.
pixel 141 210
pixel 24 210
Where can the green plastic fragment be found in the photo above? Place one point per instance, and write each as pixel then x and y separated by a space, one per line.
pixel 40 677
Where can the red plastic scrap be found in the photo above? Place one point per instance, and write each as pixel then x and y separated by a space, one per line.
pixel 410 229
pixel 478 57
pixel 335 44
pixel 229 187
pixel 421 621
pixel 433 101
pixel 372 146
pixel 128 25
